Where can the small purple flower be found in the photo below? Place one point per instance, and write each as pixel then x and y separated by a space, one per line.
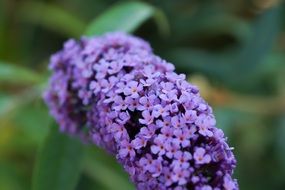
pixel 205 124
pixel 139 142
pixel 106 85
pixel 190 116
pixel 181 137
pixel 195 179
pixel 132 103
pixel 147 102
pixel 171 149
pixel 101 69
pixel 123 117
pixel 146 162
pixel 184 97
pixel 133 88
pixel 177 121
pixel 167 176
pixel 174 108
pixel 169 96
pixel 229 184
pixel 85 96
pixel 182 159
pixel 147 132
pixel 95 86
pixel 202 107
pixel 150 72
pixel 167 87
pixel 200 156
pixel 119 104
pixel 166 122
pixel 160 110
pixel 156 168
pixel 180 175
pixel 127 77
pixel 182 85
pixel 190 131
pixel 158 147
pixel 206 187
pixel 167 134
pixel 126 150
pixel 115 67
pixel 120 87
pixel 118 130
pixel 110 97
pixel 147 118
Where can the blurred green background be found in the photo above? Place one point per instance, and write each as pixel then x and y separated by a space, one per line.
pixel 233 50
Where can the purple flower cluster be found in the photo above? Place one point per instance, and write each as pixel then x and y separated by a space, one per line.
pixel 113 91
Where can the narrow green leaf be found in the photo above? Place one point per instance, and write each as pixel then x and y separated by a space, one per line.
pixel 10 177
pixel 58 164
pixel 162 23
pixel 16 74
pixel 189 59
pixel 10 104
pixel 125 17
pixel 237 67
pixel 210 20
pixel 110 171
pixel 264 33
pixel 280 142
pixel 6 104
pixel 3 21
pixel 52 17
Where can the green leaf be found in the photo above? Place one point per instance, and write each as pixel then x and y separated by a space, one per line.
pixel 10 104
pixel 237 68
pixel 53 17
pixel 97 160
pixel 88 183
pixel 189 60
pixel 280 142
pixel 3 21
pixel 34 128
pixel 10 177
pixel 162 23
pixel 265 31
pixel 124 17
pixel 58 164
pixel 6 104
pixel 197 22
pixel 16 74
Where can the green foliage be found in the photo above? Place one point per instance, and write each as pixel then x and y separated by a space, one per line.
pixel 53 18
pixel 96 161
pixel 234 49
pixel 16 74
pixel 59 162
pixel 258 46
pixel 125 17
pixel 5 104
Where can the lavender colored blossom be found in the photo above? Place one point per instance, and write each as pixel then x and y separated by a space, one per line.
pixel 201 157
pixel 114 92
